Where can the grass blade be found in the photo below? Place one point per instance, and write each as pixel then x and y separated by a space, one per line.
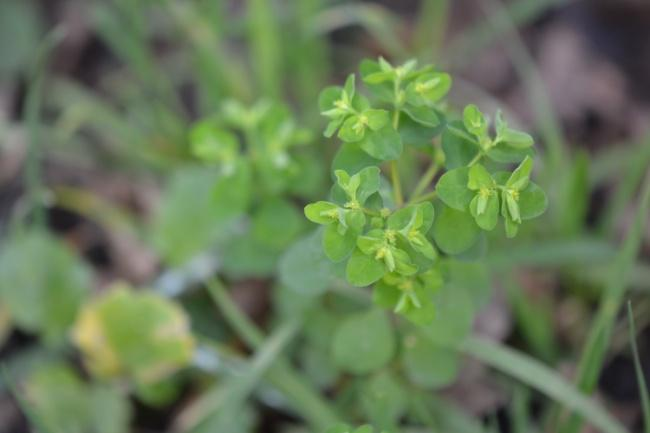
pixel 535 374
pixel 298 391
pixel 593 354
pixel 266 48
pixel 214 411
pixel 643 387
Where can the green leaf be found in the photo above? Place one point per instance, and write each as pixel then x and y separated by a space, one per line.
pixel 247 257
pixel 352 159
pixel 383 399
pixel 354 128
pixel 505 154
pixel 349 86
pixel 532 202
pixel 416 134
pixel 379 87
pixel 43 284
pixel 479 177
pixel 212 144
pixel 459 148
pixel 304 267
pixel 488 218
pixel 454 231
pixel 137 335
pixel 200 197
pixel 452 189
pixel 520 177
pixel 338 246
pixel 475 121
pixel 58 399
pixel 454 316
pixel 377 119
pixel 385 144
pixel 363 270
pixel 428 88
pixel 510 137
pixel 322 212
pixel 428 365
pixel 401 218
pixel 369 183
pixel 276 223
pixel 423 115
pixel 364 342
pixel 328 97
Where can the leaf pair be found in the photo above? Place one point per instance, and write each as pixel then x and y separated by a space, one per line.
pixel 344 221
pixel 484 195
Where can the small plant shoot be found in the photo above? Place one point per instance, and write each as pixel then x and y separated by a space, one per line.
pixel 397 245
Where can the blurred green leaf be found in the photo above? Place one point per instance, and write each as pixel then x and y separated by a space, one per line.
pixel 42 299
pixel 364 342
pixel 136 335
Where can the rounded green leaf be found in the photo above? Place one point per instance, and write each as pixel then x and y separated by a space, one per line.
pixel 42 284
pixel 383 399
pixel 385 144
pixel 487 219
pixel 304 266
pixel 427 364
pixel 338 246
pixel 452 189
pixel 423 115
pixel 137 335
pixel 352 159
pixel 454 231
pixel 532 202
pixel 458 147
pixel 454 316
pixel 363 270
pixel 364 342
pixel 276 223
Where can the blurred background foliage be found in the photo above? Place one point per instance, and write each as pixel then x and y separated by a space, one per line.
pixel 99 104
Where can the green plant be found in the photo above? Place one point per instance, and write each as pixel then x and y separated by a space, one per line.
pixel 386 242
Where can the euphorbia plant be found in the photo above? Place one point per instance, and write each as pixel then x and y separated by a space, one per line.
pixel 392 243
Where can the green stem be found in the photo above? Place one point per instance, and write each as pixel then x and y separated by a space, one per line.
pixel 425 180
pixel 394 169
pixel 305 399
pixel 476 159
pixel 424 197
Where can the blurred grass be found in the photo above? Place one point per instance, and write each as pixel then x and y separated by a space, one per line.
pixel 533 373
pixel 595 350
pixel 638 369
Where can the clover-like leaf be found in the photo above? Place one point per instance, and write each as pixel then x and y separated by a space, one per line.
pixel 138 335
pixel 454 231
pixel 363 270
pixel 42 284
pixel 427 364
pixel 452 189
pixel 384 144
pixel 364 342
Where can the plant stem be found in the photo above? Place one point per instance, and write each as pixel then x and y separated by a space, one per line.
pixel 305 399
pixel 424 197
pixel 476 159
pixel 394 169
pixel 425 180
